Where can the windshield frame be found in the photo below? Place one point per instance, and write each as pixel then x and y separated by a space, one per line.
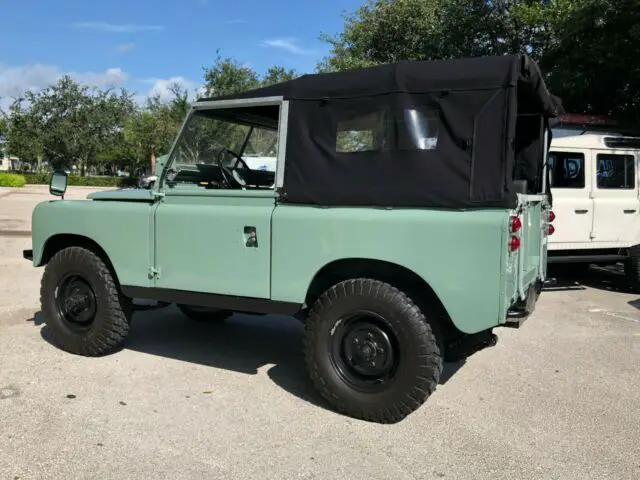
pixel 230 104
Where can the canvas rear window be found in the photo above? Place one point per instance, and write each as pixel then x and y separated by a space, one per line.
pixel 412 128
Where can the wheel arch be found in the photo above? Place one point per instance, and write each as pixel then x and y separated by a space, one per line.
pixel 397 275
pixel 60 241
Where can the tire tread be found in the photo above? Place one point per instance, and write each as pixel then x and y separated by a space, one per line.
pixel 116 309
pixel 429 370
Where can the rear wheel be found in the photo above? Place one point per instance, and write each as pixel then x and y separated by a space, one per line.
pixel 204 314
pixel 81 304
pixel 370 351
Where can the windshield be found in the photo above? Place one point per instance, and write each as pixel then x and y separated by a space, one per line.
pixel 207 139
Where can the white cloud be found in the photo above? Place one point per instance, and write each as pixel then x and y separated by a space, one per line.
pixel 14 80
pixel 286 44
pixel 124 47
pixel 162 87
pixel 116 27
pixel 111 77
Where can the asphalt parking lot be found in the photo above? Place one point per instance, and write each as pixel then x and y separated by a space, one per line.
pixel 557 399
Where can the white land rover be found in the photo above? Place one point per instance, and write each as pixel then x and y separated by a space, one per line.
pixel 594 183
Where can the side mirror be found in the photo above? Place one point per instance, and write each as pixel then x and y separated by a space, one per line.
pixel 58 183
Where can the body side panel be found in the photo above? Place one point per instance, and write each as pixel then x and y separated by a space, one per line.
pixel 462 255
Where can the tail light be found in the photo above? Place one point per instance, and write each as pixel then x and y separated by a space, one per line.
pixel 515 224
pixel 550 228
pixel 514 243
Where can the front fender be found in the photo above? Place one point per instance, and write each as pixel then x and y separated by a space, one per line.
pixel 123 230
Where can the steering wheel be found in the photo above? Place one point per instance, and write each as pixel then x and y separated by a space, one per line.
pixel 231 173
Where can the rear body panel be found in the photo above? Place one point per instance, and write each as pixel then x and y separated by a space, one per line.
pixel 527 266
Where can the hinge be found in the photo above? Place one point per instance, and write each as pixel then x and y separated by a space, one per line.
pixel 154 273
pixel 157 194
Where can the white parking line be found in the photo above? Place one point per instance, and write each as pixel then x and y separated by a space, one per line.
pixel 613 314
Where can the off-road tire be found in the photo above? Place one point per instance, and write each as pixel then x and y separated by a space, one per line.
pixel 421 358
pixel 113 310
pixel 632 267
pixel 211 315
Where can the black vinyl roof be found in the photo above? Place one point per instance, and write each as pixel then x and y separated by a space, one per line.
pixel 464 74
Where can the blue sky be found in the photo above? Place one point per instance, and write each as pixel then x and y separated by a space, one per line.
pixel 145 44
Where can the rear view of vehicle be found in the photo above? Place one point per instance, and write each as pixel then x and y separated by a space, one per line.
pixel 528 228
pixel 594 172
pixel 531 219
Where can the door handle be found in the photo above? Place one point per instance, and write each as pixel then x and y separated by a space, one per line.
pixel 581 211
pixel 629 211
pixel 250 237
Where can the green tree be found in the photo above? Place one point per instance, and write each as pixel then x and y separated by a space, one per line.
pixel 67 123
pixel 4 125
pixel 151 130
pixel 228 76
pixel 276 74
pixel 383 31
pixel 24 134
pixel 593 62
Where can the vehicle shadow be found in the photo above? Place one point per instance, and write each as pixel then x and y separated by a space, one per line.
pixel 242 343
pixel 568 277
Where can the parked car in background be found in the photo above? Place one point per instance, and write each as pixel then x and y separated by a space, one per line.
pixel 596 198
pixel 148 180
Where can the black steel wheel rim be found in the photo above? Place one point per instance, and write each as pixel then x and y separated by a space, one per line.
pixel 364 351
pixel 76 302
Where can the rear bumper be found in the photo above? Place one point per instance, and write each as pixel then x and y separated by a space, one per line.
pixel 523 309
pixel 28 255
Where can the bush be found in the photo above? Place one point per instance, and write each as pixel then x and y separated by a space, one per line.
pixel 78 181
pixel 12 180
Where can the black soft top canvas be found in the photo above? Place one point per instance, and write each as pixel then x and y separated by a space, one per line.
pixel 445 134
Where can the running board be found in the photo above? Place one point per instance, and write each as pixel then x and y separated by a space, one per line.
pixel 585 258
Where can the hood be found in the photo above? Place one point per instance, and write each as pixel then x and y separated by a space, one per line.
pixel 123 195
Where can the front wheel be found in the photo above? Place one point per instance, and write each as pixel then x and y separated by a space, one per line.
pixel 371 352
pixel 81 304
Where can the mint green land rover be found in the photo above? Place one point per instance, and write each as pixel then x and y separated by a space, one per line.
pixel 405 218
